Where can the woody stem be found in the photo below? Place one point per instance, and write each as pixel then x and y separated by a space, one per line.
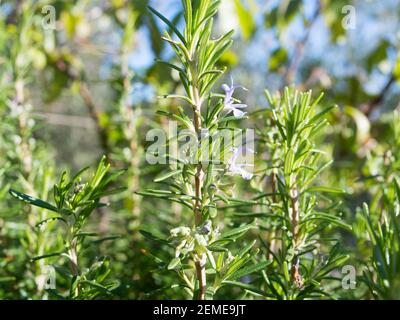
pixel 199 259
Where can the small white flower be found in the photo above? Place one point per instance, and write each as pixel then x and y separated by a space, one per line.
pixel 229 104
pixel 238 168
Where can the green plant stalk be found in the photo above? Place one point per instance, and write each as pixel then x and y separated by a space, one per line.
pixel 295 216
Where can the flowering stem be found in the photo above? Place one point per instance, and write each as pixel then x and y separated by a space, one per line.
pixel 200 267
pixel 199 172
pixel 198 54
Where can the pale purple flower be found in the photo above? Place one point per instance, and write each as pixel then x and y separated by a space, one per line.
pixel 229 103
pixel 238 168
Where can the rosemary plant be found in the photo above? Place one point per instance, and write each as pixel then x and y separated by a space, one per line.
pixel 378 223
pixel 75 201
pixel 20 54
pixel 198 176
pixel 298 215
pixel 381 272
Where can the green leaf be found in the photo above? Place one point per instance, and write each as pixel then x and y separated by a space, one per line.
pixel 217 248
pixel 325 189
pixel 246 249
pixel 78 174
pixel 249 270
pixel 49 255
pixel 237 232
pixel 108 238
pixel 152 237
pixel 167 175
pixel 50 219
pixel 289 162
pixel 212 260
pixel 174 263
pixel 168 23
pixel 172 66
pixel 328 218
pixel 97 286
pixel 111 192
